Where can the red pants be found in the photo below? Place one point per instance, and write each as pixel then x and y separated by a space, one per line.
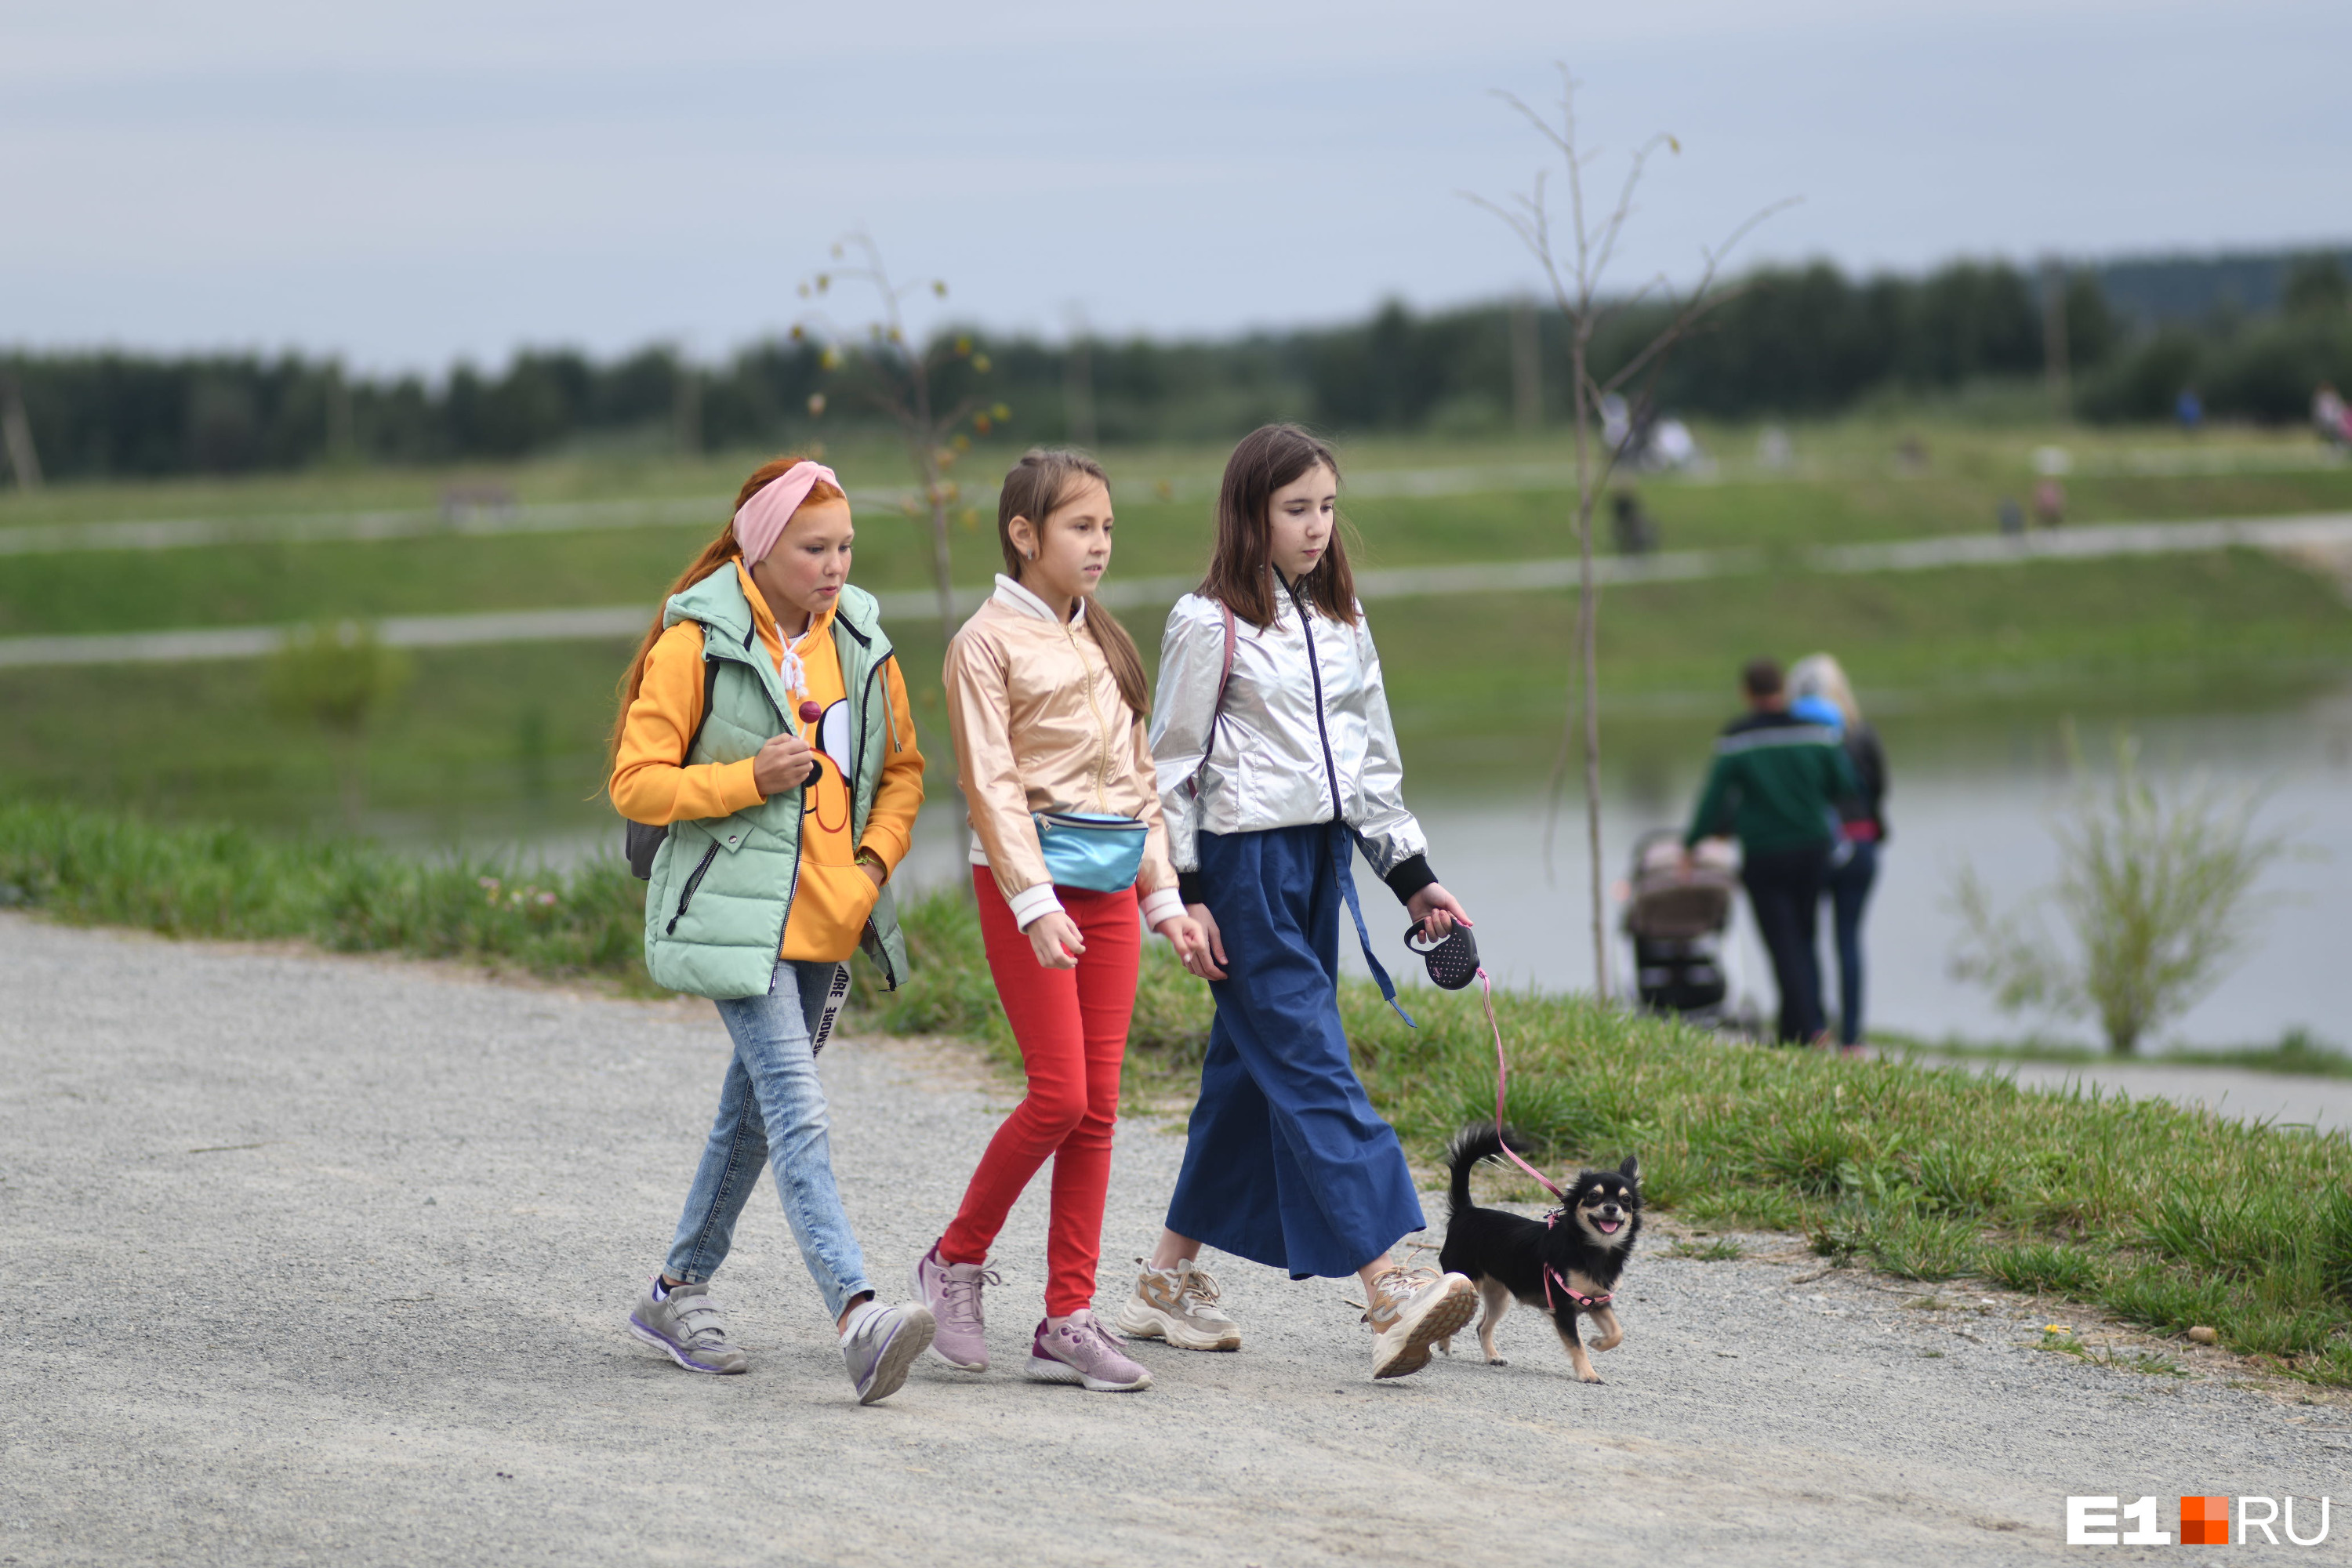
pixel 1071 1025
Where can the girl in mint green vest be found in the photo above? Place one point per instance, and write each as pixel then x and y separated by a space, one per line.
pixel 764 724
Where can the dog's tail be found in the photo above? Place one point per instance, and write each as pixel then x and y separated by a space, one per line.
pixel 1476 1143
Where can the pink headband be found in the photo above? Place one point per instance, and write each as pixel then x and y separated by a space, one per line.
pixel 760 522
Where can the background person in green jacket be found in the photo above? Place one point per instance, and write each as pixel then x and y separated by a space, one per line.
pixel 1775 786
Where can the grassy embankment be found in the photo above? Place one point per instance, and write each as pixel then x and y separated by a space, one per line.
pixel 511 733
pixel 518 730
pixel 2169 1217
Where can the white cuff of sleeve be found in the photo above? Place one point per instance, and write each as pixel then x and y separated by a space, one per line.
pixel 1030 904
pixel 1167 904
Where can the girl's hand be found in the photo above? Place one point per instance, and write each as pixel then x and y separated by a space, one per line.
pixel 1054 938
pixel 786 762
pixel 1208 961
pixel 1435 907
pixel 873 870
pixel 1191 946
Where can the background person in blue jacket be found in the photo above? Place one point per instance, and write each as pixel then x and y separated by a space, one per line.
pixel 1776 784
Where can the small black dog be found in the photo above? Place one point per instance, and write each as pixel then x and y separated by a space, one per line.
pixel 1566 1264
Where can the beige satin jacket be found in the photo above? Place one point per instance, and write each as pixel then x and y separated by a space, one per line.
pixel 1039 725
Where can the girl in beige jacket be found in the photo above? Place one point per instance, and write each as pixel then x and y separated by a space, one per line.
pixel 1046 701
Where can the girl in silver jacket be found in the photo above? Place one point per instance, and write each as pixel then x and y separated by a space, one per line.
pixel 1275 763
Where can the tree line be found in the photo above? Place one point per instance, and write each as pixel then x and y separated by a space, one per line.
pixel 1795 342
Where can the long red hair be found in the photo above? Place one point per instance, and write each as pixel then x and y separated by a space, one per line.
pixel 720 552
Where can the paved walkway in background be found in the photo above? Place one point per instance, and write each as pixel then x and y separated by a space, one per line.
pixel 325 1260
pixel 2321 540
pixel 2325 1103
pixel 476 517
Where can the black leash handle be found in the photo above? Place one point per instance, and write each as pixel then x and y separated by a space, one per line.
pixel 1452 960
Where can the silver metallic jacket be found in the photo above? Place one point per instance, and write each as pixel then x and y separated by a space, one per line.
pixel 1305 722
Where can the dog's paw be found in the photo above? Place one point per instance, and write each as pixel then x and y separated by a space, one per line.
pixel 1498 1361
pixel 1443 1347
pixel 1591 1377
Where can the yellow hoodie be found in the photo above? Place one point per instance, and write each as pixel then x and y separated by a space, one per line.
pixel 835 895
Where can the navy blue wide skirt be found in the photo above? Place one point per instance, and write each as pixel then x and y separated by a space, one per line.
pixel 1285 1162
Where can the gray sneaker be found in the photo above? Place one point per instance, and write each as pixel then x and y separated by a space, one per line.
pixel 883 1346
pixel 688 1325
pixel 951 1290
pixel 1179 1305
pixel 1077 1349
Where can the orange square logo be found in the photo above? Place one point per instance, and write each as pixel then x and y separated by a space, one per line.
pixel 2204 1521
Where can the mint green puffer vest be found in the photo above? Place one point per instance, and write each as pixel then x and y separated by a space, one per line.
pixel 723 887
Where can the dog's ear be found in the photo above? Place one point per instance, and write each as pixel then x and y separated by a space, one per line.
pixel 1631 1169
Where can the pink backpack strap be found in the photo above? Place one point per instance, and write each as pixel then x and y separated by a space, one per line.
pixel 1217 709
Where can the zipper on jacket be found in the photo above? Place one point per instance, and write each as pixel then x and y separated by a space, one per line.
pixel 1102 735
pixel 693 881
pixel 1314 669
pixel 875 691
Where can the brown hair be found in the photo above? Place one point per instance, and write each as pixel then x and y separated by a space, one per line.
pixel 1241 570
pixel 715 556
pixel 1761 677
pixel 1039 485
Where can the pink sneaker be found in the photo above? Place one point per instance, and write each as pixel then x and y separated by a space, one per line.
pixel 1076 1349
pixel 951 1290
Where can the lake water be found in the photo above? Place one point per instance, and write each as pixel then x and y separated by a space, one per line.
pixel 1986 796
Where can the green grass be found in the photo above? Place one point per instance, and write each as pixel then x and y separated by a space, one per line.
pixel 506 742
pixel 1845 489
pixel 2062 1342
pixel 506 736
pixel 1988 636
pixel 2167 1216
pixel 345 895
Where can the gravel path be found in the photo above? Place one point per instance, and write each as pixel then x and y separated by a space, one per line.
pixel 323 1260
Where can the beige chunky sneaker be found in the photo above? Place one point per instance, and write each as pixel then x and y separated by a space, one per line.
pixel 1411 1309
pixel 1179 1305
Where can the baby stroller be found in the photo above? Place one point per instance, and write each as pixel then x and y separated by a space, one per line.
pixel 1677 919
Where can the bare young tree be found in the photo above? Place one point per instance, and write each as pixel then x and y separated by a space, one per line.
pixel 900 377
pixel 1578 272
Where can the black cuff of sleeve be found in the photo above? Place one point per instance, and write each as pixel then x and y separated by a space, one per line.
pixel 1410 876
pixel 1190 888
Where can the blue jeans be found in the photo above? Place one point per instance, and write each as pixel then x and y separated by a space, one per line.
pixel 771 1109
pixel 1849 888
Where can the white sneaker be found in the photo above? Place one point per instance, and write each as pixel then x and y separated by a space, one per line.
pixel 1179 1305
pixel 1411 1310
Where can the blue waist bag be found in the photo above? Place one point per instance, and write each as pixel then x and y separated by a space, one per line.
pixel 1101 854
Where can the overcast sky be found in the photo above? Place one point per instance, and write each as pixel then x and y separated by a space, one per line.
pixel 405 184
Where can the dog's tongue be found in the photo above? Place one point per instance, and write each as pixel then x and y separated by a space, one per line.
pixel 1607 1227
